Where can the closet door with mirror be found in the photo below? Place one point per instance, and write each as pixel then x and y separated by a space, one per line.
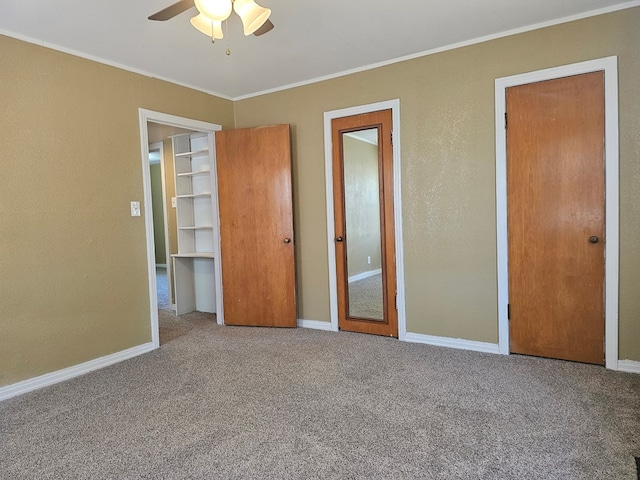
pixel 364 223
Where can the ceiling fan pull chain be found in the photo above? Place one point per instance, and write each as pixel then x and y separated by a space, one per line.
pixel 226 33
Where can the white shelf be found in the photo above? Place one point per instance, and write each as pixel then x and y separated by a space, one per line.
pixel 193 255
pixel 193 265
pixel 193 174
pixel 195 195
pixel 204 151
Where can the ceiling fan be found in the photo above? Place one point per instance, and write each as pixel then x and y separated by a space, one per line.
pixel 255 19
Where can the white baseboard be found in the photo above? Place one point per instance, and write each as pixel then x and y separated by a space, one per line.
pixel 315 324
pixel 52 378
pixel 630 366
pixel 71 372
pixel 363 275
pixel 458 343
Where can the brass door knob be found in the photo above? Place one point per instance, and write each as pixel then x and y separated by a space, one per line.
pixel 287 240
pixel 594 239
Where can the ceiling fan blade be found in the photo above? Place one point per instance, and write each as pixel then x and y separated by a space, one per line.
pixel 266 27
pixel 172 10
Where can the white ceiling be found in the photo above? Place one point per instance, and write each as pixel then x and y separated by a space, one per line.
pixel 311 39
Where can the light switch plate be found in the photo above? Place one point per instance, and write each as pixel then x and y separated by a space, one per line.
pixel 135 209
pixel 174 202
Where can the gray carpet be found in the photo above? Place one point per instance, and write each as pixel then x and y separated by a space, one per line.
pixel 170 325
pixel 162 288
pixel 234 402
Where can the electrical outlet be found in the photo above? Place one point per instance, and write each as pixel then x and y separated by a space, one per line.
pixel 369 260
pixel 135 209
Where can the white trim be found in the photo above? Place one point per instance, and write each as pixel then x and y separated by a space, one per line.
pixel 146 116
pixel 316 325
pixel 217 264
pixel 363 275
pixel 161 265
pixel 394 105
pixel 148 221
pixel 331 229
pixel 453 46
pixel 397 213
pixel 457 343
pixel 86 56
pixel 630 366
pixel 610 67
pixel 71 372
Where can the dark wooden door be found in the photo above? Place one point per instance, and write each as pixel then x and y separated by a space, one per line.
pixel 556 220
pixel 256 226
pixel 364 223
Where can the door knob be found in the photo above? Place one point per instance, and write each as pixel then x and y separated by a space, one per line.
pixel 338 239
pixel 287 240
pixel 594 239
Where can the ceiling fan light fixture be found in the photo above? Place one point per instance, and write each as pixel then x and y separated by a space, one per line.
pixel 218 10
pixel 210 28
pixel 253 15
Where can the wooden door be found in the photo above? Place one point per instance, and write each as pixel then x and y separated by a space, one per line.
pixel 256 226
pixel 364 223
pixel 556 222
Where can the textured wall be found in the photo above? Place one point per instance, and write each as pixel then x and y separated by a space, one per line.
pixel 72 260
pixel 448 170
pixel 158 213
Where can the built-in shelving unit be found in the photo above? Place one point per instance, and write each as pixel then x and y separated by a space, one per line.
pixel 194 274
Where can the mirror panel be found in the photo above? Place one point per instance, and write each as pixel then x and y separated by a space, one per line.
pixel 362 229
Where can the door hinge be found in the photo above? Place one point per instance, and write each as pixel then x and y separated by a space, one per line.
pixel 391 137
pixel 508 311
pixel 396 301
pixel 505 120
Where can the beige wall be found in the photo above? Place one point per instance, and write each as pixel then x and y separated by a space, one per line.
pixel 73 273
pixel 448 170
pixel 158 213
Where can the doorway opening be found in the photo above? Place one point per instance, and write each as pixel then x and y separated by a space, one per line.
pixel 156 132
pixel 362 171
pixel 608 66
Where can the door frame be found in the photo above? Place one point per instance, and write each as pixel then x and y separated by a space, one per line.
pixel 609 65
pixel 145 116
pixel 394 106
